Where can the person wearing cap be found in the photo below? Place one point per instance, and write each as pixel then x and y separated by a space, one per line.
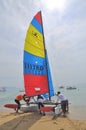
pixel 64 102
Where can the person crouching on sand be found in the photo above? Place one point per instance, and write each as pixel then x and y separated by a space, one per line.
pixel 19 98
pixel 64 102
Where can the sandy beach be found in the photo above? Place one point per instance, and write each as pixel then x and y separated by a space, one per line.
pixel 35 121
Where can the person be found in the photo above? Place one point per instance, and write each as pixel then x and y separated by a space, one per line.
pixel 64 102
pixel 19 98
pixel 40 103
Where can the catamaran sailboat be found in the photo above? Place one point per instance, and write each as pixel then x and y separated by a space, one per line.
pixel 37 75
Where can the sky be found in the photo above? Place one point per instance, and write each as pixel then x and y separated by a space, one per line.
pixel 64 23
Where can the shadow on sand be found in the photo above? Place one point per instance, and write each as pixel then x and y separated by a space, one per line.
pixel 22 121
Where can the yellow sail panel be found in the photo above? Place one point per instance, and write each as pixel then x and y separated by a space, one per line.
pixel 34 42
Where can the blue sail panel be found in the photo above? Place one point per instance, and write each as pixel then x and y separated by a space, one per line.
pixel 51 88
pixel 37 25
pixel 34 64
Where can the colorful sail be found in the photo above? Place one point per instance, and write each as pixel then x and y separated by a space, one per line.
pixel 35 67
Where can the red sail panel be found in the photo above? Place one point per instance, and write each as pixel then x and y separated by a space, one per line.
pixel 36 84
pixel 38 17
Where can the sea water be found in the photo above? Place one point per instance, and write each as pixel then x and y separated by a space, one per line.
pixel 76 97
pixel 8 96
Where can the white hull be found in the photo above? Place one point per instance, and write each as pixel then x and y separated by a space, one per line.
pixel 58 110
pixel 34 108
pixel 28 108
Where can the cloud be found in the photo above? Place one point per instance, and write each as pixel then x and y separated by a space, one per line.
pixel 64 34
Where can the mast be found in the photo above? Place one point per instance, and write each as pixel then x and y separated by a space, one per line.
pixel 45 54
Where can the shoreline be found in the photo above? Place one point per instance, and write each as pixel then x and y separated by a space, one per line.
pixel 75 112
pixel 34 121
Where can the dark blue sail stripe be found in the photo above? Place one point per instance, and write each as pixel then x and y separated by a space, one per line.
pixel 34 64
pixel 37 25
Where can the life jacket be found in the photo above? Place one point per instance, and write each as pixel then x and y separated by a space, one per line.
pixel 19 97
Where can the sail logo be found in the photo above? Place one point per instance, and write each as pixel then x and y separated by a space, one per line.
pixel 34 69
pixel 37 89
pixel 35 34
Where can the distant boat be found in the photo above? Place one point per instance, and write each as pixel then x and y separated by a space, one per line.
pixel 70 88
pixel 2 89
pixel 61 87
pixel 21 90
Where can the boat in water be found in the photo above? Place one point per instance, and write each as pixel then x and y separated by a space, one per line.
pixel 21 90
pixel 61 87
pixel 70 88
pixel 2 89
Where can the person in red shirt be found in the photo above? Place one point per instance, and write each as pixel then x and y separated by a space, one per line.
pixel 19 98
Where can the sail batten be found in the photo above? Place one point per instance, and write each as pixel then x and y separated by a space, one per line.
pixel 34 61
